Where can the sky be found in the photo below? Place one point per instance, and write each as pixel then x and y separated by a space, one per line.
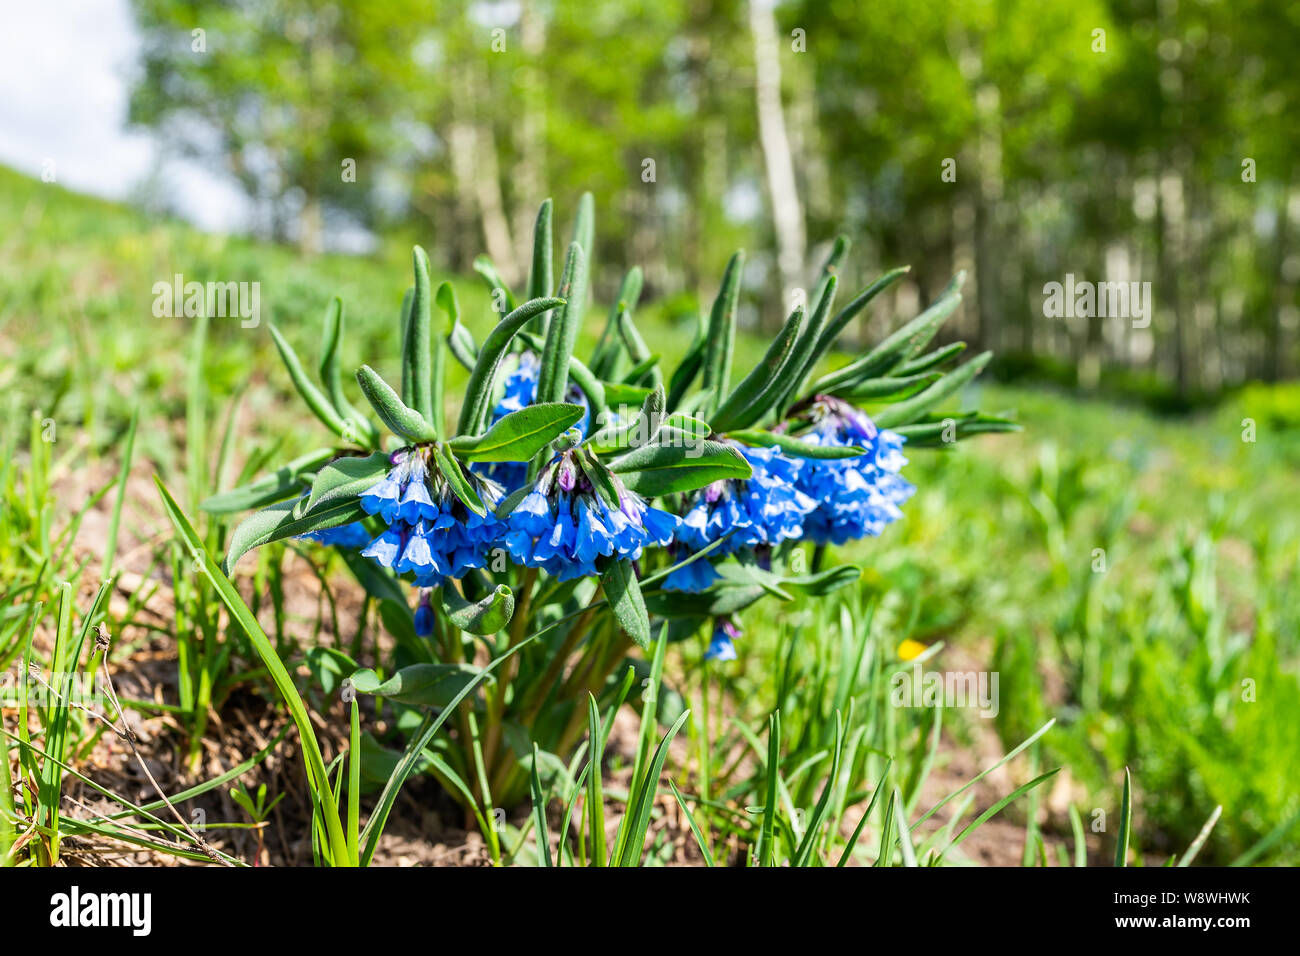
pixel 65 69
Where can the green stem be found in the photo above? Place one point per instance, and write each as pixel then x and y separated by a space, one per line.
pixel 497 702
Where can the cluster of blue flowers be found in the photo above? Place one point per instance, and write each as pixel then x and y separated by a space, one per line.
pixel 564 524
pixel 430 533
pixel 761 511
pixel 856 497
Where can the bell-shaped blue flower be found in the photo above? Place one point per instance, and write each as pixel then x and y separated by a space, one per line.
pixel 856 497
pixel 761 511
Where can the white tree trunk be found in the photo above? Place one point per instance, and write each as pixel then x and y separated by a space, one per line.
pixel 787 216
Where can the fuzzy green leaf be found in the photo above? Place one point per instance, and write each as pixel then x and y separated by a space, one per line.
pixel 519 435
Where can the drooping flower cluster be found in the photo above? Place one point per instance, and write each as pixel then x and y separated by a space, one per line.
pixel 761 511
pixel 431 533
pixel 564 525
pixel 855 497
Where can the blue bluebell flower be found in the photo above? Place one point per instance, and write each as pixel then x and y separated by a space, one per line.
pixel 431 534
pixel 856 497
pixel 565 526
pixel 758 512
pixel 721 648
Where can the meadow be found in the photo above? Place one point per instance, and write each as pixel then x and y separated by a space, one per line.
pixel 1130 578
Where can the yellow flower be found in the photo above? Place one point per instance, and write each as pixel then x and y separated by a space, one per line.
pixel 910 649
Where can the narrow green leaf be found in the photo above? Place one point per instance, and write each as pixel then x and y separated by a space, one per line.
pixel 619 582
pixel 478 393
pixel 280 484
pixel 403 421
pixel 756 394
pixel 1125 821
pixel 913 336
pixel 451 470
pixel 313 396
pixel 318 778
pixel 540 275
pixel 331 375
pixel 721 337
pixel 539 809
pixel 911 409
pixel 502 298
pixel 847 314
pixel 794 446
pixel 595 790
pixel 562 334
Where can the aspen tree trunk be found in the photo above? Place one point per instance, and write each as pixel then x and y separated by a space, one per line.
pixel 787 216
pixel 529 169
pixel 477 173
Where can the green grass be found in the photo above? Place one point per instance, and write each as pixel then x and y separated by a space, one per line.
pixel 1178 660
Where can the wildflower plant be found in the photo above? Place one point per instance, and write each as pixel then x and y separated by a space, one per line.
pixel 579 505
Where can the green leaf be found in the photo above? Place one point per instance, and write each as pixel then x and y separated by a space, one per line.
pixel 605 356
pixel 619 582
pixel 637 348
pixel 758 391
pixel 539 809
pixel 478 393
pixel 346 478
pixel 1125 820
pixel 240 613
pixel 419 685
pixel 908 340
pixel 562 334
pixel 519 435
pixel 331 375
pixel 496 285
pixel 804 357
pixel 403 421
pixel 284 520
pixel 911 409
pixel 846 315
pixel 890 389
pixel 931 360
pixel 641 802
pixel 932 432
pixel 313 396
pixel 756 438
pixel 654 470
pixel 540 274
pixel 720 340
pixel 451 470
pixel 283 483
pixel 679 383
pixel 487 615
pixel 419 344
